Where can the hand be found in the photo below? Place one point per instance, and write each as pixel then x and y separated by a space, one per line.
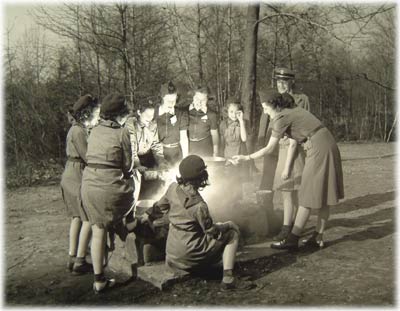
pixel 231 162
pixel 239 115
pixel 143 218
pixel 233 226
pixel 239 158
pixel 141 169
pixel 285 174
pixel 164 175
pixel 163 166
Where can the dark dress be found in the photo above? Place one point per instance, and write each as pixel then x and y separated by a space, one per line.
pixel 200 125
pixel 294 180
pixel 191 242
pixel 169 126
pixel 71 178
pixel 107 188
pixel 322 180
pixel 233 145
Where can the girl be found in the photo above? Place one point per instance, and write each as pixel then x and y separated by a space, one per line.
pixel 287 183
pixel 194 242
pixel 203 126
pixel 147 151
pixel 322 180
pixel 82 115
pixel 107 187
pixel 233 141
pixel 172 125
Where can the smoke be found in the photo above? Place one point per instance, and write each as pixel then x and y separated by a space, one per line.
pixel 229 197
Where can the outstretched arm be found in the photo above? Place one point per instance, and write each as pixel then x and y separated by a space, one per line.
pixel 272 144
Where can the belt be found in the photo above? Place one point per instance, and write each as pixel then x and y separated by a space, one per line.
pixel 101 166
pixel 178 228
pixel 174 145
pixel 312 133
pixel 198 139
pixel 71 159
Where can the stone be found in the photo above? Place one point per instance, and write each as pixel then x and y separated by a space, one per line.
pixel 123 259
pixel 160 275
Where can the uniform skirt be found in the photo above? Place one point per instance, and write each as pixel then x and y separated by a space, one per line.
pixel 106 196
pixel 71 181
pixel 179 257
pixel 294 180
pixel 202 148
pixel 322 180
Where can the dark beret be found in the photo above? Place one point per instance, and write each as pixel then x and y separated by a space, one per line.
pixel 113 104
pixel 83 102
pixel 167 88
pixel 192 167
pixel 203 89
pixel 268 95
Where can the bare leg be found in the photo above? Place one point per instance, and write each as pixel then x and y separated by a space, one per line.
pixel 295 200
pixel 323 215
pixel 84 238
pixel 229 255
pixel 301 219
pixel 288 207
pixel 98 248
pixel 74 235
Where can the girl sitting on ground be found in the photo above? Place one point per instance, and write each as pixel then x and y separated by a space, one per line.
pixel 194 242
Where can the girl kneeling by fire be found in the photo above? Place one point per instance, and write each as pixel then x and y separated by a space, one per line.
pixel 194 242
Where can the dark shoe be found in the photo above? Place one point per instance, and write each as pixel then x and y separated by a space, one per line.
pixel 70 263
pixel 290 243
pixel 283 234
pixel 314 241
pixel 108 284
pixel 80 269
pixel 237 285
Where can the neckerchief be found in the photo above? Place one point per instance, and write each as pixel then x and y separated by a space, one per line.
pixel 162 110
pixel 232 129
pixel 202 109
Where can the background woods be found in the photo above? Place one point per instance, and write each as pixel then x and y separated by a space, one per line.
pixel 343 56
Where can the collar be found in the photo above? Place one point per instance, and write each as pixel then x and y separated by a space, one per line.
pixel 202 109
pixel 188 196
pixel 76 123
pixel 162 110
pixel 110 123
pixel 232 122
pixel 140 123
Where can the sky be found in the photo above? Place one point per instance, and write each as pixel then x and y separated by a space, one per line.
pixel 17 18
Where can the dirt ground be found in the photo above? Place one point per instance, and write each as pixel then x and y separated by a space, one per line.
pixel 355 269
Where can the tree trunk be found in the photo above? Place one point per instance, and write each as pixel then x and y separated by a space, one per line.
pixel 229 50
pixel 391 129
pixel 249 64
pixel 79 48
pixel 248 97
pixel 199 51
pixel 275 52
